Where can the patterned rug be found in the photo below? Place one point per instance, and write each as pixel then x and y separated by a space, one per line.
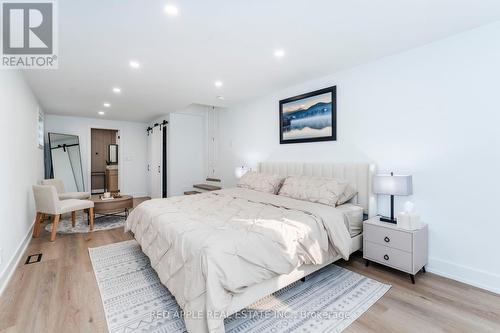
pixel 131 292
pixel 81 225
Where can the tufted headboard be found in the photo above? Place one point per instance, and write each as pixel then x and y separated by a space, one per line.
pixel 359 175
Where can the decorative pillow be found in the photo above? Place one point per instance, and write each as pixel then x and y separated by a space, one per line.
pixel 349 193
pixel 322 190
pixel 261 182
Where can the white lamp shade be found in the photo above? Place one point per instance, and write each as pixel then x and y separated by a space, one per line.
pixel 240 171
pixel 392 185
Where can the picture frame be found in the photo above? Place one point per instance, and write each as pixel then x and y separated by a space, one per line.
pixel 310 117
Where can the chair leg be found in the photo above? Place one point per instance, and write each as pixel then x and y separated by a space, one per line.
pixel 91 213
pixel 55 223
pixel 36 227
pixel 73 219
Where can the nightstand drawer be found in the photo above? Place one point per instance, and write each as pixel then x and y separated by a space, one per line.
pixel 388 256
pixel 388 237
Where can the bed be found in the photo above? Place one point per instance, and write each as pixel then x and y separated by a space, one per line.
pixel 221 251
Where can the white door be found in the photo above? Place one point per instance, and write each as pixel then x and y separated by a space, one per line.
pixel 155 167
pixel 150 164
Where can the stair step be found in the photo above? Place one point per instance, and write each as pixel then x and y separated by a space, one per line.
pixel 207 187
pixel 216 180
pixel 191 192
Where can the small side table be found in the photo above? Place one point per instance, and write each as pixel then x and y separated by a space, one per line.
pixel 386 244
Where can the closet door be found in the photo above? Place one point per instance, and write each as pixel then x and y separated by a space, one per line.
pixel 155 167
pixel 150 164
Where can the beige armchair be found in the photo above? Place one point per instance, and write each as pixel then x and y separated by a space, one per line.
pixel 63 195
pixel 47 203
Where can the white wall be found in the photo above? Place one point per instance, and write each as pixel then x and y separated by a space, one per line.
pixel 132 152
pixel 21 167
pixel 433 112
pixel 186 152
pixel 189 151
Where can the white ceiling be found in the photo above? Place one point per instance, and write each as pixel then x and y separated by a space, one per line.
pixel 228 40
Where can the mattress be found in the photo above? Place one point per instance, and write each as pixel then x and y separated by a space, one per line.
pixel 354 217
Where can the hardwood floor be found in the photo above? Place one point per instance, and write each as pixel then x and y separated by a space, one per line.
pixel 60 294
pixel 433 304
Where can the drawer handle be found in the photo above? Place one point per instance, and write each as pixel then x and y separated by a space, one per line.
pixel 387 239
pixel 386 257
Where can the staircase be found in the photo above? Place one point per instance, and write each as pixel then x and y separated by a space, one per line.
pixel 211 184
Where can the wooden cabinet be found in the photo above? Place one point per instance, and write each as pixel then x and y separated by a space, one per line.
pixel 112 180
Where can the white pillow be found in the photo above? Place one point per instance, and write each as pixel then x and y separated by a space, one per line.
pixel 322 190
pixel 349 193
pixel 261 182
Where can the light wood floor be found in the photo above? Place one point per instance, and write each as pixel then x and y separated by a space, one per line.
pixel 60 294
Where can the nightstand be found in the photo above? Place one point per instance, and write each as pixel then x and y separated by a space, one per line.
pixel 386 244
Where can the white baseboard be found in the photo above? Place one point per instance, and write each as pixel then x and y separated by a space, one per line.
pixel 7 273
pixel 474 277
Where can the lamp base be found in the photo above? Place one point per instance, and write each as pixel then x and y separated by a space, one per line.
pixel 387 219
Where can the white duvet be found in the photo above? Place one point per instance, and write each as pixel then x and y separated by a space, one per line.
pixel 208 247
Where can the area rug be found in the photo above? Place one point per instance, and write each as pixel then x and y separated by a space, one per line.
pixel 81 225
pixel 133 296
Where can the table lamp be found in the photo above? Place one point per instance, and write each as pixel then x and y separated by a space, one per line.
pixel 392 185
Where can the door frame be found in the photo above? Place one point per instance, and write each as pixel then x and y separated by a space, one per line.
pixel 89 154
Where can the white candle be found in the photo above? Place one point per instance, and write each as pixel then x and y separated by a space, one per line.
pixel 403 220
pixel 414 221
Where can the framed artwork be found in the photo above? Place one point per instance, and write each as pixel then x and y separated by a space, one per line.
pixel 309 117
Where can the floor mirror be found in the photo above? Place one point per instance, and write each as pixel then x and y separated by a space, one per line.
pixel 66 161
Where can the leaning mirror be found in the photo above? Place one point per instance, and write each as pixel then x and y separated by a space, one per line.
pixel 66 161
pixel 113 154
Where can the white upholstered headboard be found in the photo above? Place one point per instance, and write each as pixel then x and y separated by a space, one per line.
pixel 358 174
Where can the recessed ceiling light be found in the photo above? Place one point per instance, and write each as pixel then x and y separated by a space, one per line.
pixel 101 113
pixel 279 53
pixel 134 64
pixel 117 90
pixel 220 97
pixel 218 84
pixel 171 10
pixel 106 105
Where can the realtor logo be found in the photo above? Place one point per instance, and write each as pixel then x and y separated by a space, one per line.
pixel 28 34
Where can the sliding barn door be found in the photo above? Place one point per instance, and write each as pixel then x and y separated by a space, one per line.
pixel 155 166
pixel 157 162
pixel 150 164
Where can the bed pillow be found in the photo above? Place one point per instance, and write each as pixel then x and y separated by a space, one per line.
pixel 261 182
pixel 322 190
pixel 349 193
